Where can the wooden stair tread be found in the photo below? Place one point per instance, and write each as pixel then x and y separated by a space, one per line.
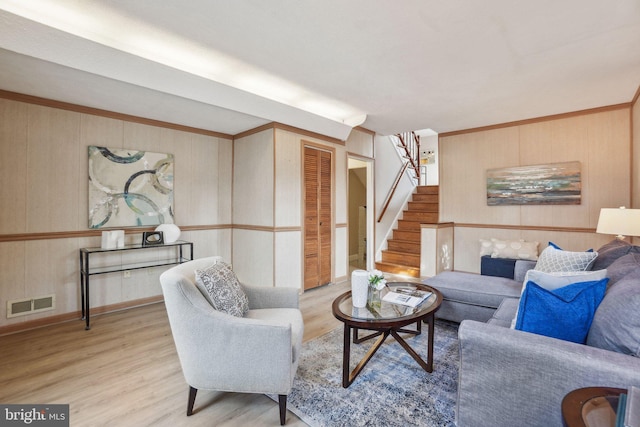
pixel 428 189
pixel 402 255
pixel 408 246
pixel 425 198
pixel 412 236
pixel 408 225
pixel 401 241
pixel 423 206
pixel 405 258
pixel 398 269
pixel 425 217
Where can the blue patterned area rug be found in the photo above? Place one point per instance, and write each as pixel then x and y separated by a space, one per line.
pixel 392 389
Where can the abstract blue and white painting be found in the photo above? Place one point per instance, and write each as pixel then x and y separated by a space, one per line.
pixel 548 184
pixel 129 188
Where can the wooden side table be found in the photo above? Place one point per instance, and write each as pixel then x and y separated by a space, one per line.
pixel 591 407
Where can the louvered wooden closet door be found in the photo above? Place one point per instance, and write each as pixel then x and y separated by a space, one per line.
pixel 317 218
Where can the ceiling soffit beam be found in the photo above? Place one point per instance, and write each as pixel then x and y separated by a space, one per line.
pixel 30 38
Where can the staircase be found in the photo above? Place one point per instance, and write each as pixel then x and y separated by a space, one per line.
pixel 402 255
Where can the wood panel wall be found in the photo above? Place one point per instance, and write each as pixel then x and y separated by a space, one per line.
pixel 251 219
pixel 600 140
pixel 44 202
pixel 268 204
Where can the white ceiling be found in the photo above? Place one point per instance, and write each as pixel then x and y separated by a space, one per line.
pixel 410 65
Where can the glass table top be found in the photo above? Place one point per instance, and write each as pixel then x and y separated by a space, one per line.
pixel 388 310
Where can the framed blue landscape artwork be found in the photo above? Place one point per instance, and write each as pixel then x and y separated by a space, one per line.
pixel 548 184
pixel 129 188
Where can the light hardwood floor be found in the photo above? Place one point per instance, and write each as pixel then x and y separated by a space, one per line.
pixel 125 370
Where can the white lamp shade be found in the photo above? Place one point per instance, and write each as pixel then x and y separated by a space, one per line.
pixel 619 221
pixel 170 232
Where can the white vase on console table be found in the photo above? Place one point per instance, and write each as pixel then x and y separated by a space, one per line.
pixel 170 232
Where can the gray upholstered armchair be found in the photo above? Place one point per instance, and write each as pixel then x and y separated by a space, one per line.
pixel 257 353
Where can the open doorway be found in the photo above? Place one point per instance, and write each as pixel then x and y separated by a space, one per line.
pixel 360 220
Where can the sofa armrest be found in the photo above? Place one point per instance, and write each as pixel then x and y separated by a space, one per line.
pixel 509 377
pixel 521 268
pixel 271 297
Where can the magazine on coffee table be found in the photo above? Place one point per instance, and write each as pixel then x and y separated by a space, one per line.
pixel 406 296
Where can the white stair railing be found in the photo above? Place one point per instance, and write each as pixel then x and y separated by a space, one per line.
pixel 407 145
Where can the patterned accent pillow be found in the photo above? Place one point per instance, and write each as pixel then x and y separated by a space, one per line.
pixel 553 260
pixel 222 289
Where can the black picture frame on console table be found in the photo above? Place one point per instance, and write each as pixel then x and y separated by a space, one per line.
pixel 152 238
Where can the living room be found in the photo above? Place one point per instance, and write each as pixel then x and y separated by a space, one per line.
pixel 43 157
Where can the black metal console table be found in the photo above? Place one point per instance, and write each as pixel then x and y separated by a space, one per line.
pixel 86 270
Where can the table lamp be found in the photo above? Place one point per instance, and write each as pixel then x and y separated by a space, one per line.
pixel 619 221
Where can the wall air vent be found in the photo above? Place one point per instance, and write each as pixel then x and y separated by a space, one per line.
pixel 26 306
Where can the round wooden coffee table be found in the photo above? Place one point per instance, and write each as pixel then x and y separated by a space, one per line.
pixel 388 319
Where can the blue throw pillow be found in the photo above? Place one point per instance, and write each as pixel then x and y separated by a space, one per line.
pixel 565 313
pixel 560 249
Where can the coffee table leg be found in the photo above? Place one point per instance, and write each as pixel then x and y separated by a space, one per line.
pixel 428 365
pixel 424 365
pixel 347 376
pixel 430 342
pixel 346 355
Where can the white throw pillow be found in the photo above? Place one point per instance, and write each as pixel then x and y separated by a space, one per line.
pixel 515 249
pixel 552 260
pixel 486 247
pixel 556 280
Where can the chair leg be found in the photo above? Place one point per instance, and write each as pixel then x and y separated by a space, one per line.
pixel 282 402
pixel 192 400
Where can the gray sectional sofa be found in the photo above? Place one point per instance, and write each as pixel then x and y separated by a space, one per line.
pixel 470 296
pixel 511 378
